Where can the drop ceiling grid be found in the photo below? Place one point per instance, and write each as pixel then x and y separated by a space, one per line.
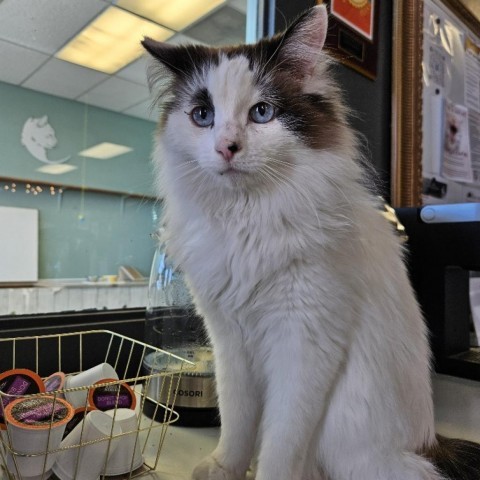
pixel 31 33
pixel 45 25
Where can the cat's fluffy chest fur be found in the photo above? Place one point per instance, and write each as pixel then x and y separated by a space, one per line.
pixel 233 250
pixel 321 354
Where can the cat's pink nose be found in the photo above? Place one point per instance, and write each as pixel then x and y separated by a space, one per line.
pixel 228 150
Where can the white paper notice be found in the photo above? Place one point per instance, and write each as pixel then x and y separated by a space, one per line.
pixel 437 102
pixel 472 101
pixel 436 65
pixel 472 75
pixel 474 118
pixel 457 163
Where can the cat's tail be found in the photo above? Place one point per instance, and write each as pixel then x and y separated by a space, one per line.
pixel 455 459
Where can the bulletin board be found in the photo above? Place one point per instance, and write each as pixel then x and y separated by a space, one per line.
pixel 451 108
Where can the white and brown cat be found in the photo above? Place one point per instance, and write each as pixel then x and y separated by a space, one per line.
pixel 322 358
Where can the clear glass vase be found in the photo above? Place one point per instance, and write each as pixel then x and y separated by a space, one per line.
pixel 172 325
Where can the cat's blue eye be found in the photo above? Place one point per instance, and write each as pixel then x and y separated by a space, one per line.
pixel 202 116
pixel 262 112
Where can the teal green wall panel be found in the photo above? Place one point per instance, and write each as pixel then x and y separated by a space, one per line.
pixel 77 126
pixel 81 233
pixel 89 234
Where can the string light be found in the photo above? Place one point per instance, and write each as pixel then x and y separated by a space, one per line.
pixel 12 187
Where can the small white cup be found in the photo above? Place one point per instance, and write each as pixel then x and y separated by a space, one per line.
pixel 33 431
pixel 138 403
pixel 78 398
pixel 86 462
pixel 127 455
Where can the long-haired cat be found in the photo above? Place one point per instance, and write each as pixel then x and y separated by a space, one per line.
pixel 322 359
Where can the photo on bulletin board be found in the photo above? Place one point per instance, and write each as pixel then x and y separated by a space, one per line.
pixel 353 34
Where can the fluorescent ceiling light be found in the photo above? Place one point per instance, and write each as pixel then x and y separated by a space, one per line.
pixel 111 41
pixel 105 150
pixel 174 14
pixel 57 168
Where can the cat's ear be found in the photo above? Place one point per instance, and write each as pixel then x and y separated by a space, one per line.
pixel 42 121
pixel 303 41
pixel 166 54
pixel 180 60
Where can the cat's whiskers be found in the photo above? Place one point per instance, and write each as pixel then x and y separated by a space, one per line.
pixel 272 55
pixel 329 179
pixel 285 163
pixel 186 167
pixel 186 163
pixel 304 195
pixel 269 170
pixel 189 167
pixel 270 177
pixel 341 192
pixel 290 182
pixel 344 219
pixel 274 70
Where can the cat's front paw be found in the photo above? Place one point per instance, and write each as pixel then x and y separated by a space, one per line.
pixel 210 469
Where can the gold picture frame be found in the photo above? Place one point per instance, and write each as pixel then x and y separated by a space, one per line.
pixel 407 54
pixel 347 42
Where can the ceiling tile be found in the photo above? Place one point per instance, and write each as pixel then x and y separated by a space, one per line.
pixel 45 25
pixel 240 5
pixel 116 94
pixel 64 79
pixel 33 30
pixel 225 26
pixel 143 110
pixel 15 71
pixel 135 71
pixel 180 39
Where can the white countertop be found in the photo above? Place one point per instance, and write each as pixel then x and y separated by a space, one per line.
pixel 457 407
pixel 52 296
pixel 457 414
pixel 182 450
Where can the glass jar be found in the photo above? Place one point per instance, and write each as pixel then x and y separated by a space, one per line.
pixel 172 325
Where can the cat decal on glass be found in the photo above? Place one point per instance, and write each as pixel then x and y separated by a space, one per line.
pixel 322 359
pixel 38 137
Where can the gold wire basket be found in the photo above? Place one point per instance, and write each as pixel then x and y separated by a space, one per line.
pixel 72 353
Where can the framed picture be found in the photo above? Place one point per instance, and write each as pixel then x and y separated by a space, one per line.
pixel 353 34
pixel 357 14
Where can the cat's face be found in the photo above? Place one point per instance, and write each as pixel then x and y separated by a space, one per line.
pixel 237 117
pixel 227 128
